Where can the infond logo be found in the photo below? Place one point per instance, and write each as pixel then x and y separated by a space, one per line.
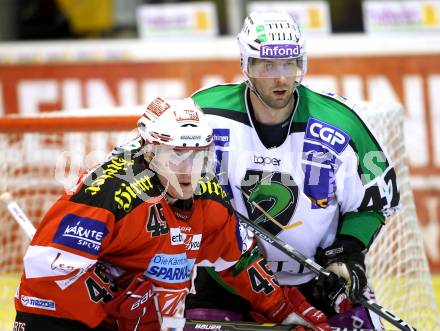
pixel 279 51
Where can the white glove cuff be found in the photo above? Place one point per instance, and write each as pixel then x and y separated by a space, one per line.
pixel 294 319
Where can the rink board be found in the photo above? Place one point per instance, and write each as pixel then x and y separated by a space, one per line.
pixel 8 284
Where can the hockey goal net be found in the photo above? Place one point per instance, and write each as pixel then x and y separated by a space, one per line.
pixel 42 156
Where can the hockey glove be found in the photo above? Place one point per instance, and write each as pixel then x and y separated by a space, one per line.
pixel 345 259
pixel 133 308
pixel 294 309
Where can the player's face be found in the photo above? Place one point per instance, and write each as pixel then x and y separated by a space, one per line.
pixel 274 80
pixel 179 171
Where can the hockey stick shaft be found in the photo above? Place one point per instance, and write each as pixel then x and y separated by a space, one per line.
pixel 283 246
pixel 18 214
pixel 319 270
pixel 172 322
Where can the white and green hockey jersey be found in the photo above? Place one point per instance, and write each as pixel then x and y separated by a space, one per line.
pixel 330 175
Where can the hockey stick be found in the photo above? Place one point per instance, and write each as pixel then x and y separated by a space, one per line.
pixel 278 243
pixel 18 214
pixel 318 269
pixel 173 322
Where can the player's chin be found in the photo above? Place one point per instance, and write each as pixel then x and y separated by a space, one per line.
pixel 278 102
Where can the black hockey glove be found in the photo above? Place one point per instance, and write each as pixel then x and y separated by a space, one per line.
pixel 331 291
pixel 345 259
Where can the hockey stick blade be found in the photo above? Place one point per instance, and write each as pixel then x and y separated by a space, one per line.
pixel 18 214
pixel 172 322
pixel 318 270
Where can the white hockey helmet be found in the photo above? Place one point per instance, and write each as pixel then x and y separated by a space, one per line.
pixel 176 123
pixel 177 144
pixel 272 36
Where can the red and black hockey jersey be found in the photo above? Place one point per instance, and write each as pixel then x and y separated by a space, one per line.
pixel 118 216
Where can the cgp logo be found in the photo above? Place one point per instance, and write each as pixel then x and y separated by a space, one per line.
pixel 328 135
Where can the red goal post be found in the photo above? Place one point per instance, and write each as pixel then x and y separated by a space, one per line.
pixel 42 156
pixel 65 122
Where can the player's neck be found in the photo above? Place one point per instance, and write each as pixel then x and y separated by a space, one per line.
pixel 270 116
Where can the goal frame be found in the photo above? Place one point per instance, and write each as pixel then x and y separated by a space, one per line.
pixel 56 126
